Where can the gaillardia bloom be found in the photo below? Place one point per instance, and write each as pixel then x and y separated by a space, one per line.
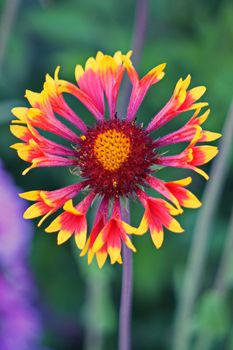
pixel 116 158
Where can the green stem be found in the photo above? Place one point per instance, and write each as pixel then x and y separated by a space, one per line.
pixel 222 277
pixel 201 237
pixel 221 284
pixel 6 23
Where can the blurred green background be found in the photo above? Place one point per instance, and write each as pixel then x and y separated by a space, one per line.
pixel 79 304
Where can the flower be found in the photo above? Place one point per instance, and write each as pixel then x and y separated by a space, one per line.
pixel 116 157
pixel 21 326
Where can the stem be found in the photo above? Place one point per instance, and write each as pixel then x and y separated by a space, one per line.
pixel 140 24
pixel 126 294
pixel 98 310
pixel 6 23
pixel 139 31
pixel 126 291
pixel 222 277
pixel 221 283
pixel 201 237
pixel 97 304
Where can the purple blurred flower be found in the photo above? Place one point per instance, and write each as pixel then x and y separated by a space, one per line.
pixel 20 324
pixel 15 234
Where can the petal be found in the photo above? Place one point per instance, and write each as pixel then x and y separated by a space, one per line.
pixel 114 253
pixel 85 248
pixel 55 225
pixel 183 182
pixel 181 101
pixel 101 257
pixel 111 72
pixel 99 242
pixel 69 207
pixel 161 187
pixel 34 98
pixel 143 227
pixel 157 235
pixel 114 245
pixel 90 256
pixel 196 93
pixel 129 244
pixel 63 236
pixel 81 234
pixel 203 117
pixel 191 201
pixel 47 161
pixel 158 214
pixel 35 210
pixel 21 132
pixel 174 226
pixel 200 172
pixel 31 195
pixel 208 136
pixel 45 119
pixel 203 154
pixel 188 131
pixel 60 196
pixel 90 83
pixel 82 97
pixel 186 198
pixel 127 228
pixel 140 87
pixel 21 114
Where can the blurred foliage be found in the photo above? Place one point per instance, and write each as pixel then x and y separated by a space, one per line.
pixel 192 37
pixel 213 316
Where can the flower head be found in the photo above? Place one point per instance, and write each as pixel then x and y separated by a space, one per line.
pixel 116 158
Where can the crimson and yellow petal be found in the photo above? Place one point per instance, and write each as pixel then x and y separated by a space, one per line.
pixel 129 243
pixel 81 234
pixel 21 132
pixel 157 236
pixel 63 236
pixel 203 154
pixel 99 242
pixel 185 197
pixel 31 195
pixel 208 136
pixel 55 225
pixel 196 92
pixel 101 257
pixel 174 226
pixel 21 114
pixel 158 214
pixel 36 210
pixel 143 226
pixel 114 253
pixel 34 98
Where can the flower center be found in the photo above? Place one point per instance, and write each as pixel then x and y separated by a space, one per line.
pixel 115 157
pixel 112 149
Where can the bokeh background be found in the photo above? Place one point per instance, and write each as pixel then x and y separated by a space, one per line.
pixel 77 306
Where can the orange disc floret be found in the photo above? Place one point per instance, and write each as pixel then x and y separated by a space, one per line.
pixel 115 157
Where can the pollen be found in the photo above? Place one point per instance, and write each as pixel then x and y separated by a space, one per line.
pixel 112 149
pixel 114 183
